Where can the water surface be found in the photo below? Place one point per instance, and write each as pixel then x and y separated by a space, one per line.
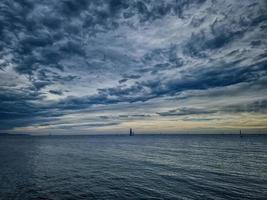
pixel 139 167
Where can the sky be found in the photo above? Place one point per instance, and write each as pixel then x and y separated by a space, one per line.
pixel 103 66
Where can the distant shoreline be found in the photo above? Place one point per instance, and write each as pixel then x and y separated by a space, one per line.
pixel 15 134
pixel 144 134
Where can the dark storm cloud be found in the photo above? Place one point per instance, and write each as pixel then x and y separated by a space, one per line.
pixel 124 52
pixel 219 75
pixel 259 106
pixel 222 74
pixel 127 77
pixel 56 92
pixel 135 116
pixel 162 59
pixel 187 111
pixel 41 33
pixel 131 76
pixel 18 109
pixel 41 84
pixel 123 80
pixel 199 119
pixel 87 125
pixel 220 35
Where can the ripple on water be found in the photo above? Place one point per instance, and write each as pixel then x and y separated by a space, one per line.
pixel 142 167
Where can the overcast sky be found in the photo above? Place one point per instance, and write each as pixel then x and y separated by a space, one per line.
pixel 103 66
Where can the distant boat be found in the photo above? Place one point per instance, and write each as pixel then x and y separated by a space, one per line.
pixel 240 134
pixel 131 132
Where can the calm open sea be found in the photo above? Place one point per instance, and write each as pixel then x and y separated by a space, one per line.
pixel 139 167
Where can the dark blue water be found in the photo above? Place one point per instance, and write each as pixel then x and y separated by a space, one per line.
pixel 139 167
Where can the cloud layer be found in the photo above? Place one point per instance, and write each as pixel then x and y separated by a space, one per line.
pixel 163 66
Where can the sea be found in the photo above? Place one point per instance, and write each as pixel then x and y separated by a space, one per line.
pixel 140 167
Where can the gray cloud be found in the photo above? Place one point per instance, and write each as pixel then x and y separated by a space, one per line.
pixel 56 92
pixel 63 57
pixel 187 111
pixel 259 106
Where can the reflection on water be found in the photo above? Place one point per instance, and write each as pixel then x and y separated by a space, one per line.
pixel 140 167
